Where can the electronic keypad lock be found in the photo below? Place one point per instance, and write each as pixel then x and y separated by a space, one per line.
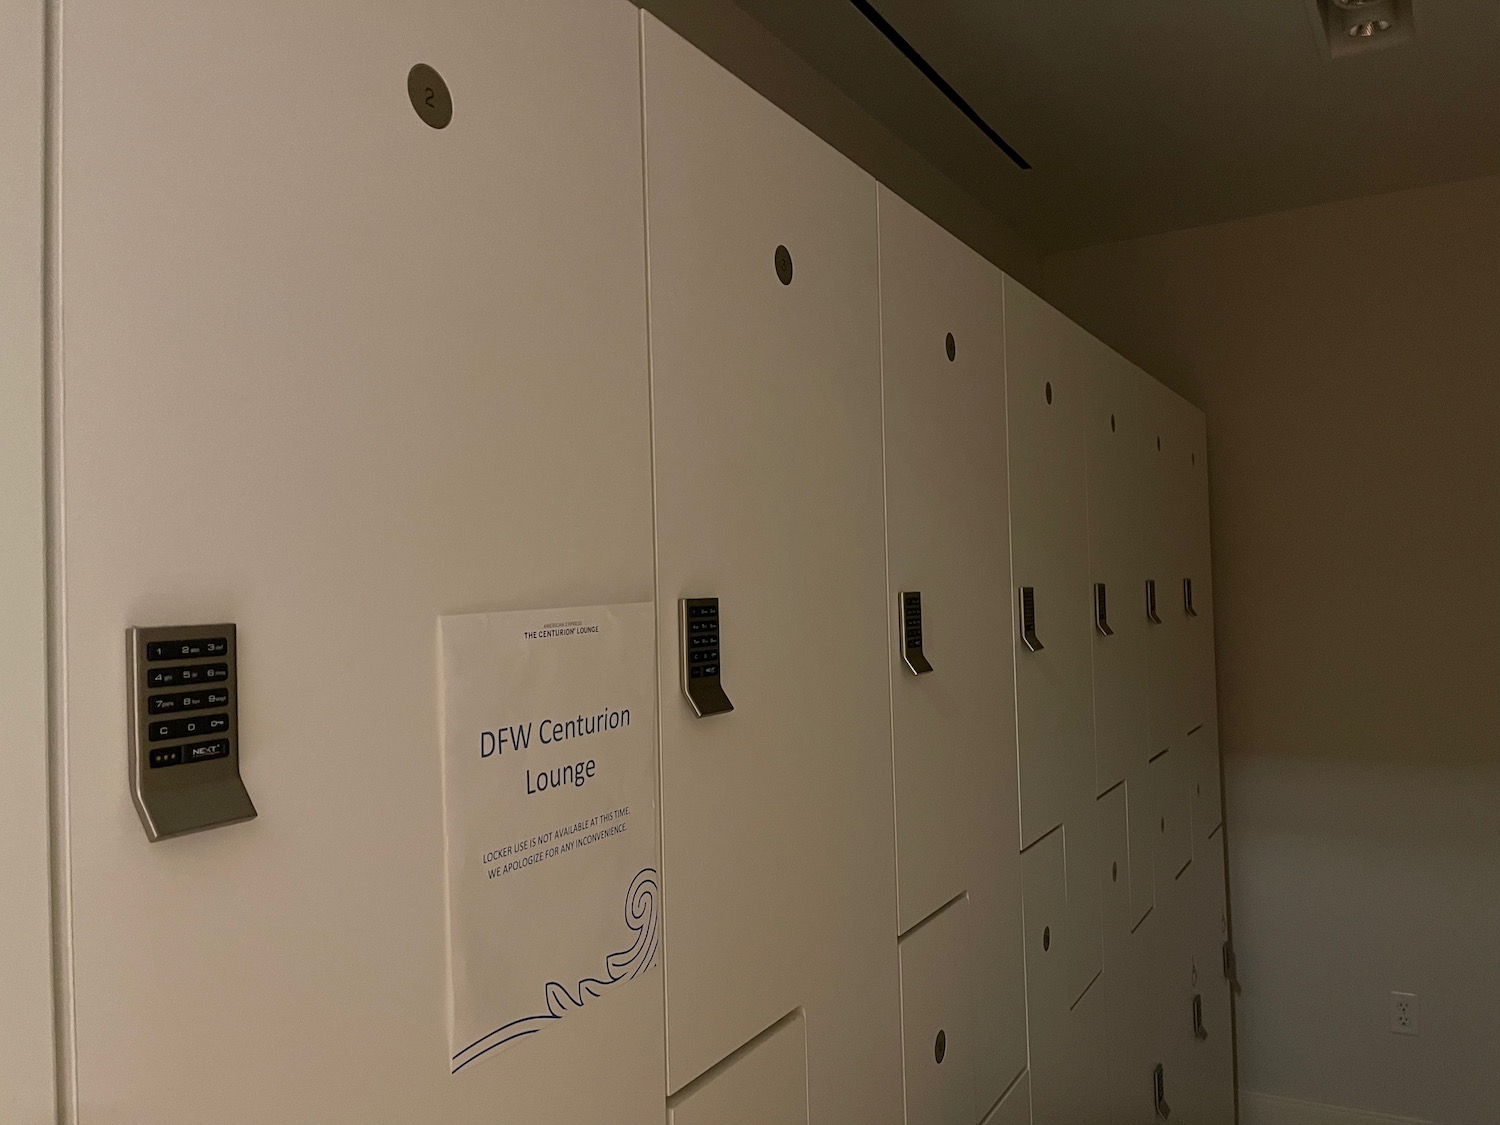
pixel 910 603
pixel 184 729
pixel 1028 619
pixel 698 624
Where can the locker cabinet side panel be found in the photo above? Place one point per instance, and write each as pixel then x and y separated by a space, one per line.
pixel 955 757
pixel 778 839
pixel 328 374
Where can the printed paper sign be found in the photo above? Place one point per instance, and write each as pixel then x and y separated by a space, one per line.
pixel 549 796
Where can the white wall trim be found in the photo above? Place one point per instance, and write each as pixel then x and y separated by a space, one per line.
pixel 1269 1109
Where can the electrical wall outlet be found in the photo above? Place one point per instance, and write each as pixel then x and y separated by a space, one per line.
pixel 1404 1013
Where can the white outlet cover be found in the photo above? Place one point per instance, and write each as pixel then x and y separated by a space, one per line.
pixel 1404 1013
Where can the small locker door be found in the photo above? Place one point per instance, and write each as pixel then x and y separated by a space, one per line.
pixel 1209 1094
pixel 949 593
pixel 777 839
pixel 1066 1031
pixel 1171 979
pixel 1202 745
pixel 1169 781
pixel 1120 1065
pixel 765 1083
pixel 333 373
pixel 1014 1106
pixel 1117 413
pixel 941 1055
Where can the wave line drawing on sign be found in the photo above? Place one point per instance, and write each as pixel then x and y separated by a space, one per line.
pixel 643 916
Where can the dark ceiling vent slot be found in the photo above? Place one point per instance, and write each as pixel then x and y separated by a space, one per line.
pixel 930 73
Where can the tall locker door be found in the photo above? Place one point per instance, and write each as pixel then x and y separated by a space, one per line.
pixel 955 756
pixel 1115 415
pixel 330 374
pixel 777 817
pixel 1127 1061
pixel 1047 360
pixel 1167 646
pixel 1202 740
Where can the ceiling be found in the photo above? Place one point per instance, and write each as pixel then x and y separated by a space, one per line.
pixel 1143 117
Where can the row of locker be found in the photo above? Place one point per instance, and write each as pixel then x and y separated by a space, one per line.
pixel 620 331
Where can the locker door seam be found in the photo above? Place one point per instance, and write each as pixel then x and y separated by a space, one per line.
pixel 64 999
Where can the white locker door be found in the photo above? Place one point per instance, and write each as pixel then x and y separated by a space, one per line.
pixel 1116 419
pixel 941 1054
pixel 330 374
pixel 1172 989
pixel 1047 357
pixel 1169 781
pixel 764 1083
pixel 1067 1033
pixel 1186 457
pixel 777 818
pixel 1014 1107
pixel 947 523
pixel 1211 1090
pixel 1202 745
pixel 1167 643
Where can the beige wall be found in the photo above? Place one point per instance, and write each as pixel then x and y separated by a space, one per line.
pixel 1348 358
pixel 737 42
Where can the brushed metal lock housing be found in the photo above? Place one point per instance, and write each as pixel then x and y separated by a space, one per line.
pixel 909 604
pixel 698 635
pixel 1028 619
pixel 184 729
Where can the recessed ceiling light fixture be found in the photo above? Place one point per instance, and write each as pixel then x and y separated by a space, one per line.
pixel 1350 26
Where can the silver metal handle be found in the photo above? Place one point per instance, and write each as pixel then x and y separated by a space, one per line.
pixel 1199 1031
pixel 1187 597
pixel 909 605
pixel 1028 619
pixel 1159 1090
pixel 1101 611
pixel 1151 614
pixel 1231 967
